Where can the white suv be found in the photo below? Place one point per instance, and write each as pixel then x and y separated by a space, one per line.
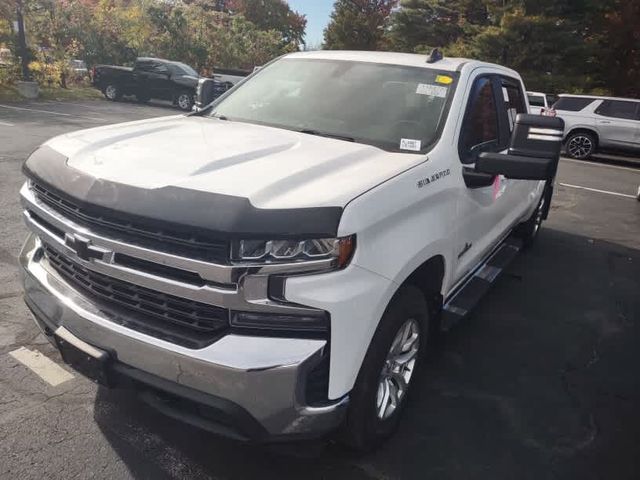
pixel 595 124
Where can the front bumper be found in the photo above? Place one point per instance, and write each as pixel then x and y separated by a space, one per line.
pixel 255 383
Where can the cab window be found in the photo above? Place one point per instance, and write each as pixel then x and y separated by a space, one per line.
pixel 480 126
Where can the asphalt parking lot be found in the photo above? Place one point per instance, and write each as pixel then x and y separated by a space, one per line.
pixel 542 382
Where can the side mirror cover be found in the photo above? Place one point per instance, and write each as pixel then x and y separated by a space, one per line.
pixel 516 166
pixel 536 136
pixel 205 93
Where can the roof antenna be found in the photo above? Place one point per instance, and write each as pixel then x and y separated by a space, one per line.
pixel 434 56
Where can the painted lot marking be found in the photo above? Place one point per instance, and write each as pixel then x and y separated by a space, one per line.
pixel 601 165
pixel 37 110
pixel 598 191
pixel 46 369
pixel 7 124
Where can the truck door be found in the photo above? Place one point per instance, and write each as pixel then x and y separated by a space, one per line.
pixel 487 209
pixel 141 72
pixel 160 81
pixel 477 213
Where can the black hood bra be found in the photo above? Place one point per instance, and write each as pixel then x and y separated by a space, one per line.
pixel 225 216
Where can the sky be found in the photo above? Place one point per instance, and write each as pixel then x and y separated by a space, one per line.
pixel 317 12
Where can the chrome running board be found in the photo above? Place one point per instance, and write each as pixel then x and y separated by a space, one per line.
pixel 458 305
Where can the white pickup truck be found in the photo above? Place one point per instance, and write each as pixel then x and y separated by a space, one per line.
pixel 271 267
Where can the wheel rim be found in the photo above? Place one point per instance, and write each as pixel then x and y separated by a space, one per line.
pixel 111 92
pixel 580 146
pixel 398 369
pixel 183 101
pixel 539 215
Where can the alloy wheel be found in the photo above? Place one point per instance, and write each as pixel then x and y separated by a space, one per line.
pixel 580 146
pixel 184 102
pixel 398 369
pixel 539 215
pixel 111 92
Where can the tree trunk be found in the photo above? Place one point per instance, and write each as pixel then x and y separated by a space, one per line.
pixel 22 42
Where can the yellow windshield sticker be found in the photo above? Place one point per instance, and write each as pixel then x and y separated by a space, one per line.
pixel 444 79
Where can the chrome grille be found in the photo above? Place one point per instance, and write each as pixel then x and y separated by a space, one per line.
pixel 184 322
pixel 169 238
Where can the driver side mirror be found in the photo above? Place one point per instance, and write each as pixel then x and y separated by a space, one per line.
pixel 205 93
pixel 534 150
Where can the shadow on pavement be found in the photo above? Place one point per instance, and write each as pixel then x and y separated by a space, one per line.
pixel 543 381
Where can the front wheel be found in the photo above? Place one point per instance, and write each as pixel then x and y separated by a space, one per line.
pixel 112 92
pixel 388 370
pixel 581 145
pixel 184 100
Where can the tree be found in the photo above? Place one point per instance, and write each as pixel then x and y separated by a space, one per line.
pixel 420 25
pixel 358 24
pixel 272 15
pixel 618 39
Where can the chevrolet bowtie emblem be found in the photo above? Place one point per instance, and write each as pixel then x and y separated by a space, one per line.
pixel 83 248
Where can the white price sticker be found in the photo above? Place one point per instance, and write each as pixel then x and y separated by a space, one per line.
pixel 410 144
pixel 431 90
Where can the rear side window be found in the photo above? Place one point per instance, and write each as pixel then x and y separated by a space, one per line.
pixel 481 125
pixel 160 68
pixel 619 109
pixel 572 104
pixel 513 100
pixel 536 101
pixel 143 66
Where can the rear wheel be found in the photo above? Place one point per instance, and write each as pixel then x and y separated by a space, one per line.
pixel 388 370
pixel 528 231
pixel 112 92
pixel 581 145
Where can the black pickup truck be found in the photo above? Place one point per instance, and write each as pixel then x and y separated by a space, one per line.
pixel 149 78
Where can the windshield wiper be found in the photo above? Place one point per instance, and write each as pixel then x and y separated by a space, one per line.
pixel 220 117
pixel 310 131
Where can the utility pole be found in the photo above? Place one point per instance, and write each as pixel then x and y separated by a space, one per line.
pixel 22 42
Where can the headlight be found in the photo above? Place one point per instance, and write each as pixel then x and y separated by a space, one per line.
pixel 285 251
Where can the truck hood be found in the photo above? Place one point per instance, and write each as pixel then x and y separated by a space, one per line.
pixel 272 168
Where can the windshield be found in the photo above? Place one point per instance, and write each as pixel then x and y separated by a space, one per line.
pixel 184 69
pixel 394 107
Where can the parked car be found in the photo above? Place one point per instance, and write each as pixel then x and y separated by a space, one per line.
pixel 273 266
pixel 150 78
pixel 595 124
pixel 538 102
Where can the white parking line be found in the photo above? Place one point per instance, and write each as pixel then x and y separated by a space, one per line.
pixel 37 110
pixel 598 191
pixel 6 124
pixel 11 107
pixel 46 369
pixel 602 165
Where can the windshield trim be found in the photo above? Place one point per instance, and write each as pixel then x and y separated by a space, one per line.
pixel 386 146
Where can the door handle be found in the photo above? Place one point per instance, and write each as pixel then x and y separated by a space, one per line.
pixel 604 122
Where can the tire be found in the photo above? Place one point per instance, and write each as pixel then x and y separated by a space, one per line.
pixel 528 231
pixel 581 145
pixel 372 417
pixel 112 92
pixel 184 101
